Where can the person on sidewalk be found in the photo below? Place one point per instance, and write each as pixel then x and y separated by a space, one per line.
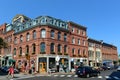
pixel 11 71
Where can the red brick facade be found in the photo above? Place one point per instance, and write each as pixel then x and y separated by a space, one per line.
pixel 74 39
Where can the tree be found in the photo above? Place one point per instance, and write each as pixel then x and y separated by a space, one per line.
pixel 3 44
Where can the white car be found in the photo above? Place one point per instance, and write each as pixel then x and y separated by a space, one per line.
pixel 118 69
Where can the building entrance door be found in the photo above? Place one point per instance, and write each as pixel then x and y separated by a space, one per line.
pixel 42 67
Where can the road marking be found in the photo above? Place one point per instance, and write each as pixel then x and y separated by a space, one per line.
pixel 107 77
pixel 48 75
pixel 75 75
pixel 62 75
pixel 99 76
pixel 55 75
pixel 69 75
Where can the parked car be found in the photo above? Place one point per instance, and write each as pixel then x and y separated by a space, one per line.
pixel 86 71
pixel 6 68
pixel 104 68
pixel 118 69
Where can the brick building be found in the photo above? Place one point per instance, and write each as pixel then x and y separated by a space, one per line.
pixel 44 42
pixel 94 52
pixel 109 54
pixel 100 53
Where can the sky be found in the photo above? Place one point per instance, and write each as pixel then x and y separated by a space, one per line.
pixel 101 17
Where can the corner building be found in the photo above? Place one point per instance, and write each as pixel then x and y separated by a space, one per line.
pixel 44 43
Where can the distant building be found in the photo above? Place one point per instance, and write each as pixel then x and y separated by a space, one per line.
pixel 109 54
pixel 94 52
pixel 43 43
pixel 101 53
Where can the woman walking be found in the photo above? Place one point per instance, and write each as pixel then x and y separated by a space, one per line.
pixel 11 72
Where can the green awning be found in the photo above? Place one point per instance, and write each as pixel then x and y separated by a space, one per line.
pixel 12 60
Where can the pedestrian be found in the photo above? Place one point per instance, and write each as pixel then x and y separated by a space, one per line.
pixel 11 71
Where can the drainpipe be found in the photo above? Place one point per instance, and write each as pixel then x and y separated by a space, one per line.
pixel 37 64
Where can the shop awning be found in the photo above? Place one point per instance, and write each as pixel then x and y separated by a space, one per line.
pixel 12 60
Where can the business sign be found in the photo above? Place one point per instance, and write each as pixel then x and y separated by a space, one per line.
pixel 54 22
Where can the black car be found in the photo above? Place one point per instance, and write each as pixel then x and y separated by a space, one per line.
pixel 115 75
pixel 86 71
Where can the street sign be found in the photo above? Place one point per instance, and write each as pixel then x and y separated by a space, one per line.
pixel 57 58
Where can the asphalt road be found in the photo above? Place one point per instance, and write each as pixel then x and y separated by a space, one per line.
pixel 103 76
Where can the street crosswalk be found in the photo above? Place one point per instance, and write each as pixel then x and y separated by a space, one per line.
pixel 71 75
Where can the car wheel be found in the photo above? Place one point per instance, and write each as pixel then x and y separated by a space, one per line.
pixel 88 75
pixel 79 76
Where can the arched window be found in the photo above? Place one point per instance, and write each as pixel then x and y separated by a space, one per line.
pixel 42 47
pixel 59 35
pixel 15 40
pixel 59 48
pixel 33 48
pixel 65 49
pixel 79 53
pixel 27 49
pixel 52 33
pixel 52 47
pixel 34 34
pixel 21 38
pixel 73 51
pixel 43 33
pixel 78 41
pixel 73 40
pixel 27 37
pixel 14 52
pixel 84 52
pixel 20 50
pixel 65 37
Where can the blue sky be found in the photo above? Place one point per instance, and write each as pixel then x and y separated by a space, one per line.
pixel 101 17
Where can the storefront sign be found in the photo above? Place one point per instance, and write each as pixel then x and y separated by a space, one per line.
pixel 53 21
pixel 81 59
